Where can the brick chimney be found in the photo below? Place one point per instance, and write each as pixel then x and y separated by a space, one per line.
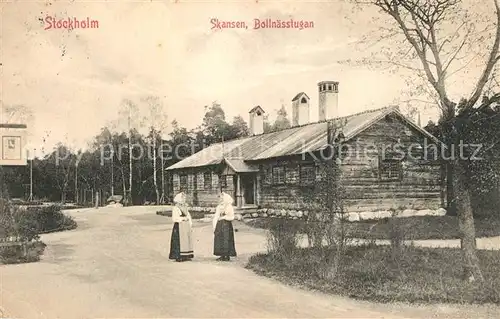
pixel 328 100
pixel 300 109
pixel 256 120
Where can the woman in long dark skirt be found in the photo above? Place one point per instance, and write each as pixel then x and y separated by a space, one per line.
pixel 223 229
pixel 181 242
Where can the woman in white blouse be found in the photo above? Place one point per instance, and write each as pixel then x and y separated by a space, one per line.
pixel 223 229
pixel 181 241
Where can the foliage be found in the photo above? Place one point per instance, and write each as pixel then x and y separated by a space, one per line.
pixel 25 225
pixel 433 40
pixel 106 161
pixel 28 223
pixel 280 123
pixel 282 237
pixel 370 272
pixel 215 128
pixel 50 219
pixel 325 222
pixel 15 223
pixel 480 136
pixel 105 165
pixel 15 254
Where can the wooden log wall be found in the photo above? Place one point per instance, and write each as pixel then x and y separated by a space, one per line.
pixel 196 193
pixel 420 186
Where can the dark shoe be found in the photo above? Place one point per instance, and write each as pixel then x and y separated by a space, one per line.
pixel 220 259
pixel 178 260
pixel 227 258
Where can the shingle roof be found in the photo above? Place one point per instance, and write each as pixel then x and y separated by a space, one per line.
pixel 256 108
pixel 298 96
pixel 240 166
pixel 296 140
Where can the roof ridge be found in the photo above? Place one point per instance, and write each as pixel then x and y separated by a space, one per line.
pixel 367 111
pixel 255 147
pixel 335 118
pixel 317 122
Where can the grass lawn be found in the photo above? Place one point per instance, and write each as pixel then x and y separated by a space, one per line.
pixel 420 275
pixel 415 228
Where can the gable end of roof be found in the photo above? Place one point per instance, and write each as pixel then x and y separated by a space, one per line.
pixel 299 95
pixel 257 108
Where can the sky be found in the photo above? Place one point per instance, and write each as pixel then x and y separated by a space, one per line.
pixel 75 81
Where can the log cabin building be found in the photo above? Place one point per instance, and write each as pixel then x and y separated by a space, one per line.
pixel 278 169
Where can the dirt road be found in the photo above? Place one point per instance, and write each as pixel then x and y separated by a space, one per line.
pixel 115 265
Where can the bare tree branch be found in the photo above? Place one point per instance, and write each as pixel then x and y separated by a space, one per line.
pixel 453 57
pixel 492 60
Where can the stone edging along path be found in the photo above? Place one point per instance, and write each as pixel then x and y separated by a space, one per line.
pixel 491 243
pixel 352 217
pixel 296 214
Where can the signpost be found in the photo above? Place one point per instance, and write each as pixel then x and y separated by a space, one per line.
pixel 12 148
pixel 13 153
pixel 12 145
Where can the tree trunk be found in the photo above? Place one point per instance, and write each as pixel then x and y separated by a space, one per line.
pixel 97 199
pixel 112 178
pixel 76 185
pixel 459 196
pixel 163 199
pixel 154 171
pixel 129 193
pixel 123 184
pixel 3 186
pixel 472 270
pixel 451 204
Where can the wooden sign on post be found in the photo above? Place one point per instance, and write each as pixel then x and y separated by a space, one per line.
pixel 13 144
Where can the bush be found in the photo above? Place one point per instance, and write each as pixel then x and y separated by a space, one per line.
pixel 19 253
pixel 50 219
pixel 29 223
pixel 25 225
pixel 282 237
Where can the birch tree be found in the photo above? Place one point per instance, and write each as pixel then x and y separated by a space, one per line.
pixel 156 119
pixel 441 38
pixel 129 120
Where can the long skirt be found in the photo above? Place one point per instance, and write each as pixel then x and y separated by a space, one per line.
pixel 224 239
pixel 181 242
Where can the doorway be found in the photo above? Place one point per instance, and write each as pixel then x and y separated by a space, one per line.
pixel 195 191
pixel 248 185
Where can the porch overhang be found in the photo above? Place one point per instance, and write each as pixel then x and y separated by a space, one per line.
pixel 238 165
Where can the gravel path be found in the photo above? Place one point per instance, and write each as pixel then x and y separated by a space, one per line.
pixel 115 265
